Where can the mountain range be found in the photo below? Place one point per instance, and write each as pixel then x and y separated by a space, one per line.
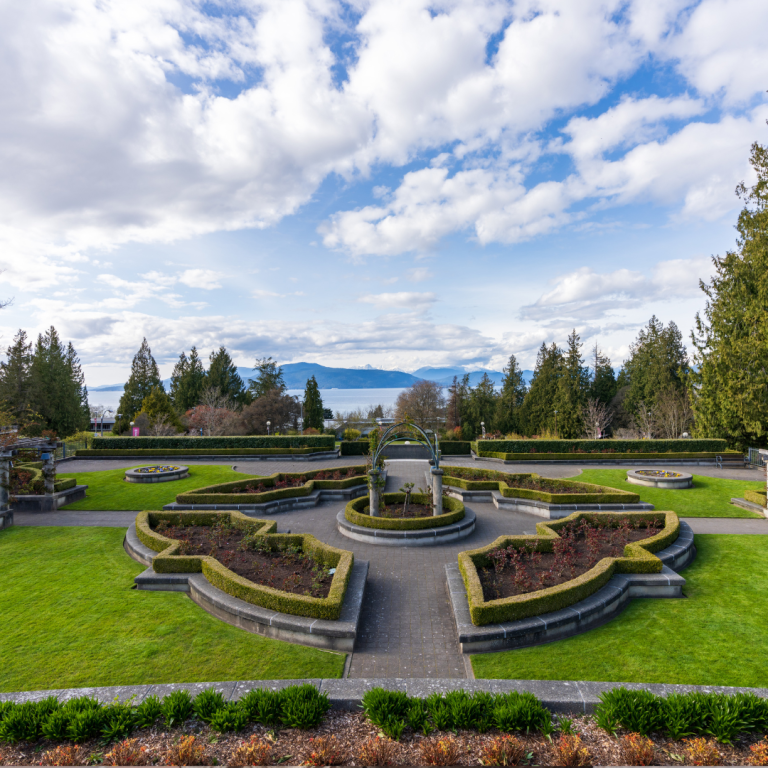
pixel 296 375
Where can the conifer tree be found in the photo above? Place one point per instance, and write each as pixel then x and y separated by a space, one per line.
pixel 177 376
pixel 313 405
pixel 729 383
pixel 144 376
pixel 159 409
pixel 78 380
pixel 223 376
pixel 187 381
pixel 15 377
pixel 572 391
pixel 603 386
pixel 539 404
pixel 458 394
pixel 481 407
pixel 513 389
pixel 269 377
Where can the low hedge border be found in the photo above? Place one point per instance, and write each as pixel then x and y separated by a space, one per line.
pixel 605 496
pixel 756 497
pixel 226 493
pixel 355 448
pixel 200 452
pixel 37 474
pixel 354 513
pixel 455 447
pixel 255 441
pixel 601 446
pixel 638 558
pixel 220 576
pixel 596 454
pixel 28 465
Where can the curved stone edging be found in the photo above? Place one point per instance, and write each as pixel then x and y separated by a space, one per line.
pixel 684 480
pixel 336 635
pixel 134 476
pixel 422 538
pixel 48 503
pixel 587 614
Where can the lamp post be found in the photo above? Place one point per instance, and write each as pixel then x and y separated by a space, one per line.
pixel 301 429
pixel 556 422
pixel 132 423
pixel 482 425
pixel 269 424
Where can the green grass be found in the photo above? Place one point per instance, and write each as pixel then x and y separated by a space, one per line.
pixel 709 497
pixel 71 619
pixel 108 489
pixel 714 637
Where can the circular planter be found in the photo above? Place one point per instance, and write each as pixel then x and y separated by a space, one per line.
pixel 157 473
pixel 426 537
pixel 659 478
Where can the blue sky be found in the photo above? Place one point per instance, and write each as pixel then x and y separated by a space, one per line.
pixel 378 182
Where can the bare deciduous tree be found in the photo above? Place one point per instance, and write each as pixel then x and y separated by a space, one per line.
pixel 162 427
pixel 213 413
pixel 644 420
pixel 424 402
pixel 672 413
pixel 597 418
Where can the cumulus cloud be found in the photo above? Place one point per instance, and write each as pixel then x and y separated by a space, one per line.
pixel 399 299
pixel 206 279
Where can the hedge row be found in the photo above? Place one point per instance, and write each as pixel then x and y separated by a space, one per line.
pixel 534 457
pixel 199 452
pixel 356 514
pixel 28 464
pixel 221 577
pixel 355 448
pixel 37 475
pixel 756 497
pixel 601 446
pixel 255 441
pixel 455 447
pixel 227 493
pixel 638 558
pixel 601 494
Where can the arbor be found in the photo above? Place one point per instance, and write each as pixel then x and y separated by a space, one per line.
pixel 513 389
pixel 269 377
pixel 313 405
pixel 223 376
pixel 729 383
pixel 145 375
pixel 572 391
pixel 187 381
pixel 15 377
pixel 539 404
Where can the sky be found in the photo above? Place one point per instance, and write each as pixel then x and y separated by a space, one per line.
pixel 375 182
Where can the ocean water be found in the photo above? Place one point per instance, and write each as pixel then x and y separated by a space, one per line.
pixel 344 400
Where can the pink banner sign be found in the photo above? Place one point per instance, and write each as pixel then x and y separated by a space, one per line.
pixel 135 431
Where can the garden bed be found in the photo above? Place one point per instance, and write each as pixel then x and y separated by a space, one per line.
pixel 357 512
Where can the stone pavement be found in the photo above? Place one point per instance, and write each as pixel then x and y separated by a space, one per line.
pixel 64 517
pixel 727 525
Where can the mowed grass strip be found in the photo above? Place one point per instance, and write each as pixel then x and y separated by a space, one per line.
pixel 71 619
pixel 709 496
pixel 108 490
pixel 713 637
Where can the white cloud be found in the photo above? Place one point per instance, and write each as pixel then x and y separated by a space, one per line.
pixel 419 274
pixel 399 299
pixel 207 279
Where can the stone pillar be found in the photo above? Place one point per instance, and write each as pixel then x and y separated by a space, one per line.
pixel 5 482
pixel 374 492
pixel 437 491
pixel 49 471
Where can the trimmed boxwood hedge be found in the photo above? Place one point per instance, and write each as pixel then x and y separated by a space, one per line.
pixel 221 577
pixel 227 493
pixel 638 558
pixel 326 442
pixel 455 447
pixel 756 497
pixel 37 474
pixel 534 457
pixel 355 448
pixel 355 513
pixel 200 452
pixel 601 494
pixel 601 446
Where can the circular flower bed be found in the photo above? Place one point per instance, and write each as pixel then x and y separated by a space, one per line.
pixel 659 478
pixel 157 473
pixel 358 513
pixel 658 473
pixel 156 470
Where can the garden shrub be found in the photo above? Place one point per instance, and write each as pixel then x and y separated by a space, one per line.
pixel 148 712
pixel 638 558
pixel 326 750
pixel 355 512
pixel 325 442
pixel 569 750
pixel 158 452
pixel 502 750
pixel 377 751
pixel 262 706
pixel 303 706
pixel 255 751
pixel 207 703
pixel 455 447
pixel 230 717
pixel 351 434
pixel 602 446
pixel 539 458
pixel 355 448
pixel 177 708
pixel 756 497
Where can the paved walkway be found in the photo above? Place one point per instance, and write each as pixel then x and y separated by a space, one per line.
pixel 727 525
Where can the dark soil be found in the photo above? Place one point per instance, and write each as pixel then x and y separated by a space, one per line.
pixel 413 510
pixel 288 569
pixel 297 482
pixel 580 548
pixel 521 481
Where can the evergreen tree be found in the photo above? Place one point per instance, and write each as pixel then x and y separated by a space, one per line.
pixel 730 377
pixel 657 362
pixel 187 381
pixel 603 386
pixel 78 379
pixel 159 410
pixel 513 389
pixel 481 408
pixel 539 404
pixel 313 405
pixel 572 391
pixel 269 377
pixel 15 377
pixel 458 394
pixel 177 377
pixel 223 376
pixel 144 376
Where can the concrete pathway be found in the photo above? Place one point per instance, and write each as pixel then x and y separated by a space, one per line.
pixel 106 519
pixel 727 525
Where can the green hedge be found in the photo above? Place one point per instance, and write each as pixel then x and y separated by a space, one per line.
pixel 756 497
pixel 356 514
pixel 28 465
pixel 227 493
pixel 601 446
pixel 638 558
pixel 37 475
pixel 221 577
pixel 65 484
pixel 355 448
pixel 601 494
pixel 534 457
pixel 455 447
pixel 326 442
pixel 199 452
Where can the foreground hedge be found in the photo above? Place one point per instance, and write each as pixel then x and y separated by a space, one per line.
pixel 600 494
pixel 756 497
pixel 534 457
pixel 355 513
pixel 199 452
pixel 355 448
pixel 601 446
pixel 233 492
pixel 455 447
pixel 168 561
pixel 255 441
pixel 638 558
pixel 37 476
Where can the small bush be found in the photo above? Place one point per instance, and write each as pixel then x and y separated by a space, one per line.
pixel 69 755
pixel 177 708
pixel 21 723
pixel 502 750
pixel 637 749
pixel 443 751
pixel 759 753
pixel 230 717
pixel 570 751
pixel 516 711
pixel 381 706
pixel 702 752
pixel 186 751
pixel 262 706
pixel 377 751
pixel 255 751
pixel 127 752
pixel 207 703
pixel 418 716
pixel 55 725
pixel 303 706
pixel 148 712
pixel 85 725
pixel 118 722
pixel 326 750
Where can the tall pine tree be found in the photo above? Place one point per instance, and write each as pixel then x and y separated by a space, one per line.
pixel 572 391
pixel 145 375
pixel 15 378
pixel 269 377
pixel 313 405
pixel 603 385
pixel 730 376
pixel 224 378
pixel 480 408
pixel 539 404
pixel 513 389
pixel 188 381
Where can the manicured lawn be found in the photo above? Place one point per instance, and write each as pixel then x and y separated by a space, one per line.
pixel 714 637
pixel 108 490
pixel 709 497
pixel 71 619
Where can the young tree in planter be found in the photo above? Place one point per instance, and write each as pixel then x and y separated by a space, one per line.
pixel 145 375
pixel 313 405
pixel 269 377
pixel 513 391
pixel 15 378
pixel 223 376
